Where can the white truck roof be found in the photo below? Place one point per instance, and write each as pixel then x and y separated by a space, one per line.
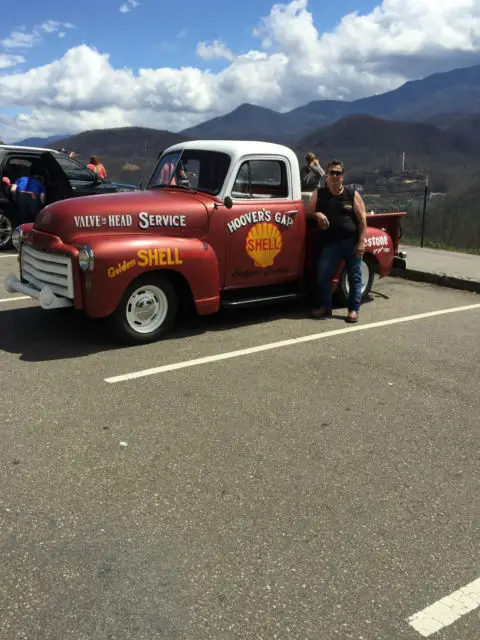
pixel 238 149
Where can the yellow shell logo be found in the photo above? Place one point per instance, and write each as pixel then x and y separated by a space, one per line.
pixel 263 243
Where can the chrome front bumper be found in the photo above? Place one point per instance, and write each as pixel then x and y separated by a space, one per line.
pixel 45 296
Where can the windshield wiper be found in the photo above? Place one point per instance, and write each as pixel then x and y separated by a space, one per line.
pixel 172 186
pixel 187 187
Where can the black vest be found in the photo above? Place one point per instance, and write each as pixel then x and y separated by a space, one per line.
pixel 340 213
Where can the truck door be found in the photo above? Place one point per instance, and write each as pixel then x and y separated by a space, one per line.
pixel 59 187
pixel 264 229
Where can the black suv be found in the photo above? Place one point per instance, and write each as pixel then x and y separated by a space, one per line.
pixel 63 178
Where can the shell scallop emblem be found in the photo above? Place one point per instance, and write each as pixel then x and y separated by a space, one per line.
pixel 263 244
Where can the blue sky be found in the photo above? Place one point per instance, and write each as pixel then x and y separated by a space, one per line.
pixel 154 33
pixel 71 66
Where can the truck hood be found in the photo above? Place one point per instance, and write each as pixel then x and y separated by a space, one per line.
pixel 168 211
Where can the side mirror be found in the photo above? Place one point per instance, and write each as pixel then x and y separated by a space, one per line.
pixel 141 184
pixel 228 202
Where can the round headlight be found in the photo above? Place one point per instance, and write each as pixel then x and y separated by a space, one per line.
pixel 17 238
pixel 85 258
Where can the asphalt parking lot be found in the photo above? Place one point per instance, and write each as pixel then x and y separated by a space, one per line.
pixel 321 489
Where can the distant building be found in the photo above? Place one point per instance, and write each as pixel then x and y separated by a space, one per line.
pixel 356 187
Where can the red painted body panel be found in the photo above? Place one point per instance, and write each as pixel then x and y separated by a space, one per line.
pixel 118 261
pixel 181 213
pixel 262 243
pixel 188 233
pixel 383 236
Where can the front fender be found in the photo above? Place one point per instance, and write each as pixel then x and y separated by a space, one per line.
pixel 26 227
pixel 119 260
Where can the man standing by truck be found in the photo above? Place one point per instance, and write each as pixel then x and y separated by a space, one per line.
pixel 340 214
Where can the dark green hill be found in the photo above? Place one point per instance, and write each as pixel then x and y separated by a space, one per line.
pixel 128 153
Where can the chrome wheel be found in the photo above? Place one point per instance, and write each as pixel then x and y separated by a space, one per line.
pixel 6 229
pixel 146 309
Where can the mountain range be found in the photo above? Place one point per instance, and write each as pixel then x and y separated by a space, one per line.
pixel 41 142
pixel 434 121
pixel 438 95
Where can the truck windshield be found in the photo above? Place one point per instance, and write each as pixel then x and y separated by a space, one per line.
pixel 192 169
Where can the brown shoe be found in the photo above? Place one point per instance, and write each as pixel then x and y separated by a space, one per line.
pixel 352 317
pixel 322 313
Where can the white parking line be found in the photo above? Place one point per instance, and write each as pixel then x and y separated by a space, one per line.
pixel 445 611
pixel 8 255
pixel 284 343
pixel 15 298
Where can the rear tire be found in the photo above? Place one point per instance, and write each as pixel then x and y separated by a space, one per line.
pixel 368 275
pixel 146 311
pixel 7 225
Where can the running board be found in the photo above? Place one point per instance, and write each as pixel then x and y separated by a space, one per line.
pixel 248 302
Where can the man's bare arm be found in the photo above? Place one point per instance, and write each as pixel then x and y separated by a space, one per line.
pixel 311 205
pixel 316 166
pixel 359 209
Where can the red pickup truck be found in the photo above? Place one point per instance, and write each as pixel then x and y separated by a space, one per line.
pixel 220 223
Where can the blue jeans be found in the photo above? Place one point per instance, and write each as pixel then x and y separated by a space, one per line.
pixel 28 208
pixel 327 264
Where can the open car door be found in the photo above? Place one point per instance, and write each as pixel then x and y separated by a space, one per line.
pixel 59 187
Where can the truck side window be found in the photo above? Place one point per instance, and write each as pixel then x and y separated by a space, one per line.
pixel 261 179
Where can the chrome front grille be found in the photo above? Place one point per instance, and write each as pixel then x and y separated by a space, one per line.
pixel 43 268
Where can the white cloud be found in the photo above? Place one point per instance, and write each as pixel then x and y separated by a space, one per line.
pixel 21 39
pixel 128 6
pixel 53 26
pixel 213 50
pixel 365 54
pixel 7 60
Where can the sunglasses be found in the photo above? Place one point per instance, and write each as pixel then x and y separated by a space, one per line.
pixel 335 173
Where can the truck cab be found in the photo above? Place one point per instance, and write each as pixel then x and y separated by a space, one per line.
pixel 219 223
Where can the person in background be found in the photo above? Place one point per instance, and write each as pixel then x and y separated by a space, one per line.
pixel 171 176
pixel 312 174
pixel 97 167
pixel 70 154
pixel 340 214
pixel 30 195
